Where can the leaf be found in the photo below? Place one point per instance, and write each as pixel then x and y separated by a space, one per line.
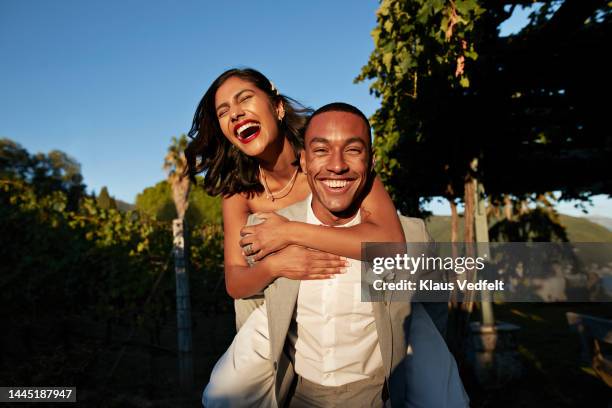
pixel 387 58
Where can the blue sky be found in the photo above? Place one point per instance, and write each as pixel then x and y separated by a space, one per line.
pixel 110 82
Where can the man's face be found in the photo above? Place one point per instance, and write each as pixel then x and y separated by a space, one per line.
pixel 337 162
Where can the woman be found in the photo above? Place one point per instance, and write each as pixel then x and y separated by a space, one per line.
pixel 247 141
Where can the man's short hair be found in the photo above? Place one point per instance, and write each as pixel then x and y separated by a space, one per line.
pixel 342 107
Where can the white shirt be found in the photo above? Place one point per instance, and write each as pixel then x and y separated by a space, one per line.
pixel 336 342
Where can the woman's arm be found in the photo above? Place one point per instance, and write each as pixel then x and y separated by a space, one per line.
pixel 292 262
pixel 380 223
pixel 240 280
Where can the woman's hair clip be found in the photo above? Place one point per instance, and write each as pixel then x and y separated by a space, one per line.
pixel 273 88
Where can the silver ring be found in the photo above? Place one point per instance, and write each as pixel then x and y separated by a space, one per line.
pixel 248 248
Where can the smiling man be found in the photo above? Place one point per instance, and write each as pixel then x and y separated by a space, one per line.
pixel 344 352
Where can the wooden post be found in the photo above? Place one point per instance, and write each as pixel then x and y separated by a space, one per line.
pixel 183 306
pixel 482 240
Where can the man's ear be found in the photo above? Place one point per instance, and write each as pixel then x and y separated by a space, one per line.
pixel 280 110
pixel 303 161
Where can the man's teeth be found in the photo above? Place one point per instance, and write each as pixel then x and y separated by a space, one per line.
pixel 335 183
pixel 246 126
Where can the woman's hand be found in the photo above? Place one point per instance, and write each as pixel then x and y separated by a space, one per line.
pixel 299 263
pixel 262 239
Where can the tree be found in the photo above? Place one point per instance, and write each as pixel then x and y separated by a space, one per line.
pixel 105 201
pixel 55 171
pixel 463 108
pixel 156 201
pixel 527 107
pixel 175 164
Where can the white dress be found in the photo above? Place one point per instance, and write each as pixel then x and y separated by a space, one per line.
pixel 244 376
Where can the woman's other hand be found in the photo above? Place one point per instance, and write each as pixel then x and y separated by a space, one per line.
pixel 299 263
pixel 262 239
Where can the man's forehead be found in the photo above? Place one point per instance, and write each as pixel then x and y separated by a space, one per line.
pixel 336 126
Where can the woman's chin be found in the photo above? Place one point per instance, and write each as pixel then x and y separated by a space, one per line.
pixel 254 148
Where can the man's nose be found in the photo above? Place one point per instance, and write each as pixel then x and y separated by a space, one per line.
pixel 336 163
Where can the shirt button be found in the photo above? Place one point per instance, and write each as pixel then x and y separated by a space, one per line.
pixel 328 351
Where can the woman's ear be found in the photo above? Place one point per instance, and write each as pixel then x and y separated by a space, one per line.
pixel 303 161
pixel 280 110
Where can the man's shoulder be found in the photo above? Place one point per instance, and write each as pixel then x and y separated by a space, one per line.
pixel 293 212
pixel 415 229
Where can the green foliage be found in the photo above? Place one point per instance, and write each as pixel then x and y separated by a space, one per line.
pixel 90 260
pixel 46 173
pixel 86 264
pixel 453 90
pixel 156 202
pixel 416 41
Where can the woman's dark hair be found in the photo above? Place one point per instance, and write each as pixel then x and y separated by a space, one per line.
pixel 227 170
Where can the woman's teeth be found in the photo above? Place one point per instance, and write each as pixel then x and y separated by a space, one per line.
pixel 244 127
pixel 335 183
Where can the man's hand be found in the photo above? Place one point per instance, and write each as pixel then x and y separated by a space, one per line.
pixel 299 263
pixel 262 239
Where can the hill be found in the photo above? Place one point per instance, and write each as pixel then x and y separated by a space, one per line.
pixel 579 229
pixel 123 206
pixel 604 221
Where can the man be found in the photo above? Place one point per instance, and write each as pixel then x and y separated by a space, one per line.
pixel 346 352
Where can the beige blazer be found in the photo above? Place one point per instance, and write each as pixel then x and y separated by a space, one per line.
pixel 392 319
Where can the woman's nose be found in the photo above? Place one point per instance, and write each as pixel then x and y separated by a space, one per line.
pixel 236 113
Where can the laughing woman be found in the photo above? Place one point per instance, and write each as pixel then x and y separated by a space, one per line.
pixel 246 141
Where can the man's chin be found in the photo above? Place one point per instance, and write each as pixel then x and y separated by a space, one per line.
pixel 336 206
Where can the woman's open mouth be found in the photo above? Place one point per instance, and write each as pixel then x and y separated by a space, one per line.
pixel 247 131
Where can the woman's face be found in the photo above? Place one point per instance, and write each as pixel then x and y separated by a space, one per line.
pixel 246 116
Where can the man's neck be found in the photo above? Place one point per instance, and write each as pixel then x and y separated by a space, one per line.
pixel 329 218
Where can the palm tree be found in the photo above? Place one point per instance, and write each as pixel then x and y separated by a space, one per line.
pixel 174 164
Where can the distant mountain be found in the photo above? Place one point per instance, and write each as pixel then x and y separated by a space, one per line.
pixel 579 229
pixel 604 221
pixel 123 206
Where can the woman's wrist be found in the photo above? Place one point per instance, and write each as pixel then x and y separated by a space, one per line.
pixel 291 232
pixel 269 267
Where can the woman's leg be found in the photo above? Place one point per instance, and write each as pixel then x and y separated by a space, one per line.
pixel 244 375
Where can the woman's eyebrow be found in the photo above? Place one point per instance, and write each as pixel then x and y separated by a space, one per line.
pixel 225 104
pixel 241 92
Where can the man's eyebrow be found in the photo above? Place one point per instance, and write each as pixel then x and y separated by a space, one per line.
pixel 356 139
pixel 225 104
pixel 318 139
